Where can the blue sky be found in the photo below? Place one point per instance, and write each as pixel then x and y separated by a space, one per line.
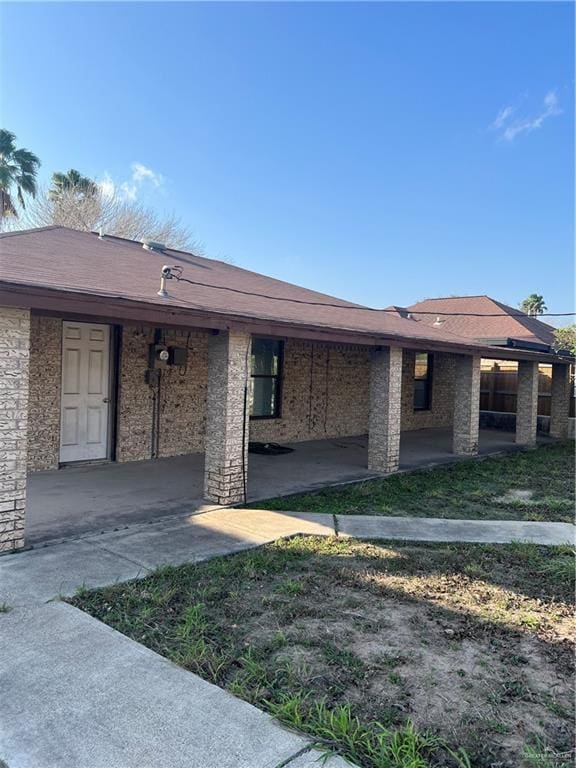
pixel 383 152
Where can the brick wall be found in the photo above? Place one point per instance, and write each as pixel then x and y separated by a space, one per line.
pixel 325 394
pixel 226 465
pixel 135 398
pixel 183 395
pixel 527 403
pixel 183 400
pixel 441 411
pixel 45 379
pixel 14 368
pixel 560 399
pixel 386 371
pixel 466 404
pixel 182 422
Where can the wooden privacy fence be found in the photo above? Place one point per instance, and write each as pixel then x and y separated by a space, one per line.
pixel 499 385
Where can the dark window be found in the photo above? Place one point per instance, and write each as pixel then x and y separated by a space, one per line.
pixel 265 389
pixel 423 382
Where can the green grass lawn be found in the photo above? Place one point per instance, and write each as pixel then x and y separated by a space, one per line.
pixel 396 655
pixel 528 485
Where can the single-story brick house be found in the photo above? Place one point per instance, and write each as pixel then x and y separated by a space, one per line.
pixel 494 323
pixel 95 365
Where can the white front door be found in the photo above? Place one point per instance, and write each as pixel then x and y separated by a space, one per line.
pixel 85 391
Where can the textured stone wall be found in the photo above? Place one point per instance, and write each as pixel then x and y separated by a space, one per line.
pixel 385 410
pixel 325 393
pixel 182 402
pixel 45 381
pixel 14 369
pixel 527 403
pixel 135 397
pixel 440 413
pixel 560 401
pixel 466 404
pixel 183 397
pixel 227 424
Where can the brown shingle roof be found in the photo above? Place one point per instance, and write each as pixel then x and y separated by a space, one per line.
pixel 509 322
pixel 73 262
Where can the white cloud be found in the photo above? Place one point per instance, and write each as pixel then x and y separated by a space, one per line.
pixel 107 186
pixel 502 117
pixel 131 188
pixel 509 128
pixel 141 172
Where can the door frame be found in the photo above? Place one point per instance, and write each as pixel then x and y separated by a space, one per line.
pixel 114 388
pixel 115 339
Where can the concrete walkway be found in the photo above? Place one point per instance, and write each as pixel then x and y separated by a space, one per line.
pixel 38 575
pixel 74 692
pixel 434 529
pixel 77 694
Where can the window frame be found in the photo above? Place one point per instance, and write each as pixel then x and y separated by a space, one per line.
pixel 429 383
pixel 278 377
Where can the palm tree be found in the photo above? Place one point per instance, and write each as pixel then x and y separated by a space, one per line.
pixel 72 181
pixel 18 169
pixel 533 305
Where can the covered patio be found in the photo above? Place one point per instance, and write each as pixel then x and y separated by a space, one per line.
pixel 123 404
pixel 86 499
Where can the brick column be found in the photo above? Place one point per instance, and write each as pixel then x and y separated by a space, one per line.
pixel 14 363
pixel 466 405
pixel 385 410
pixel 226 418
pixel 527 403
pixel 560 401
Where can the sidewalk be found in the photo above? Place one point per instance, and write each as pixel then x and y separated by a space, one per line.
pixel 75 693
pixel 35 576
pixel 78 694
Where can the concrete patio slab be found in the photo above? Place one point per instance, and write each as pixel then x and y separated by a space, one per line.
pixel 433 529
pixel 82 694
pixel 87 499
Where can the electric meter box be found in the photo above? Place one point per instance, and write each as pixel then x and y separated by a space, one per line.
pixel 177 356
pixel 158 356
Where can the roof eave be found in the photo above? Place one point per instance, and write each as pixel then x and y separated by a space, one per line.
pixel 121 309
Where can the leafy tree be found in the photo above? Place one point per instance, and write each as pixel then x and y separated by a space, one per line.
pixel 565 339
pixel 533 305
pixel 18 172
pixel 71 181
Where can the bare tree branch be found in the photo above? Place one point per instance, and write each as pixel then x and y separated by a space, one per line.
pixel 108 212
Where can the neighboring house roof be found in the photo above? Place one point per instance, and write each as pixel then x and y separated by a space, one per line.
pixel 69 263
pixel 496 323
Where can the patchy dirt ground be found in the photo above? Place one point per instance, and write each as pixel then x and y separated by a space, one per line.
pixel 470 642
